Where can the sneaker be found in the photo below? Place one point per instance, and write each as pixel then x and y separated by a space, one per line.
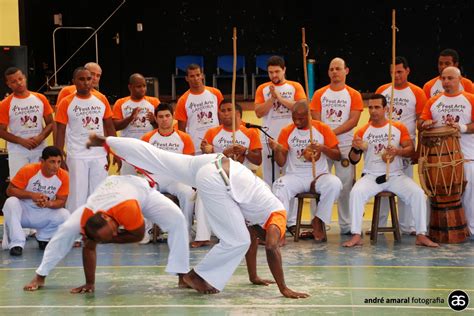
pixel 42 244
pixel 16 251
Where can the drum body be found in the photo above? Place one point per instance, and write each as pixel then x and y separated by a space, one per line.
pixel 441 171
pixel 4 173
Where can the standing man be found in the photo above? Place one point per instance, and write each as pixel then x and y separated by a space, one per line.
pixel 339 106
pixel 21 121
pixel 408 102
pixel 295 150
pixel 196 109
pixel 117 201
pixel 167 138
pixel 447 58
pixel 134 115
pixel 372 140
pixel 273 103
pixel 78 115
pixel 455 108
pixel 38 193
pixel 233 198
pixel 96 74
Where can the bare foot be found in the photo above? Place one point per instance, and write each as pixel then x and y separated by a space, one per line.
pixel 35 284
pixel 318 230
pixel 356 240
pixel 282 241
pixel 181 283
pixel 77 244
pixel 292 294
pixel 422 240
pixel 200 243
pixel 95 141
pixel 199 284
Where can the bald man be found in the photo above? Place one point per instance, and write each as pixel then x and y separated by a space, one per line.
pixel 455 108
pixel 339 106
pixel 447 58
pixel 134 115
pixel 96 74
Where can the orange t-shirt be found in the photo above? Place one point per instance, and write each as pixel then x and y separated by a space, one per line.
pixel 127 214
pixel 178 142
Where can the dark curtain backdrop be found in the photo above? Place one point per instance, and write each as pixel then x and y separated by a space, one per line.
pixel 358 31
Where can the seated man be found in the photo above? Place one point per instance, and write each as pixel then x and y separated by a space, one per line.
pixel 38 193
pixel 372 139
pixel 167 138
pixel 117 201
pixel 233 198
pixel 294 150
pixel 247 148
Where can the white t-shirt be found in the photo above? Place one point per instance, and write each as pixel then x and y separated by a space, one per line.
pixel 124 107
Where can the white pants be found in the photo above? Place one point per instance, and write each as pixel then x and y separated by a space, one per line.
pixel 468 196
pixel 346 175
pixel 404 187
pixel 203 230
pixel 405 217
pixel 19 214
pixel 127 169
pixel 185 195
pixel 267 165
pixel 327 185
pixel 228 224
pixel 84 176
pixel 17 160
pixel 157 208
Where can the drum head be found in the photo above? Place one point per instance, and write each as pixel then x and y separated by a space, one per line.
pixel 439 131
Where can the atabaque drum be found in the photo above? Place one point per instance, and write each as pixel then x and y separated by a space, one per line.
pixel 441 170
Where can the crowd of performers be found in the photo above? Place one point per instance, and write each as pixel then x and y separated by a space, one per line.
pixel 207 161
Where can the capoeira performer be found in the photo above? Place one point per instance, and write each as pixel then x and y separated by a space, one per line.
pixel 38 193
pixel 294 149
pixel 232 196
pixel 117 201
pixel 372 139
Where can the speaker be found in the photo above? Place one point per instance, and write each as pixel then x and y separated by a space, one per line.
pixel 12 56
pixel 152 89
pixel 4 174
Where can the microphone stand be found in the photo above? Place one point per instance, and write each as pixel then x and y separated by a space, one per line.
pixel 272 155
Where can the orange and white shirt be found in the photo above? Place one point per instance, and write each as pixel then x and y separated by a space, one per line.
pixel 435 87
pixel 220 138
pixel 377 140
pixel 296 140
pixel 124 107
pixel 199 111
pixel 457 107
pixel 408 102
pixel 68 90
pixel 83 116
pixel 30 178
pixel 24 118
pixel 279 115
pixel 335 107
pixel 177 142
pixel 121 197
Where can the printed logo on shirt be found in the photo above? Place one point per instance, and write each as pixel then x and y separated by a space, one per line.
pixel 167 146
pixel 450 108
pixel 449 118
pixel 25 110
pixel 90 123
pixel 224 142
pixel 399 104
pixel 49 190
pixel 28 121
pixel 333 115
pixel 205 118
pixel 140 120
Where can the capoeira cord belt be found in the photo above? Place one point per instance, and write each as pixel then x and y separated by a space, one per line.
pixel 218 164
pixel 151 182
